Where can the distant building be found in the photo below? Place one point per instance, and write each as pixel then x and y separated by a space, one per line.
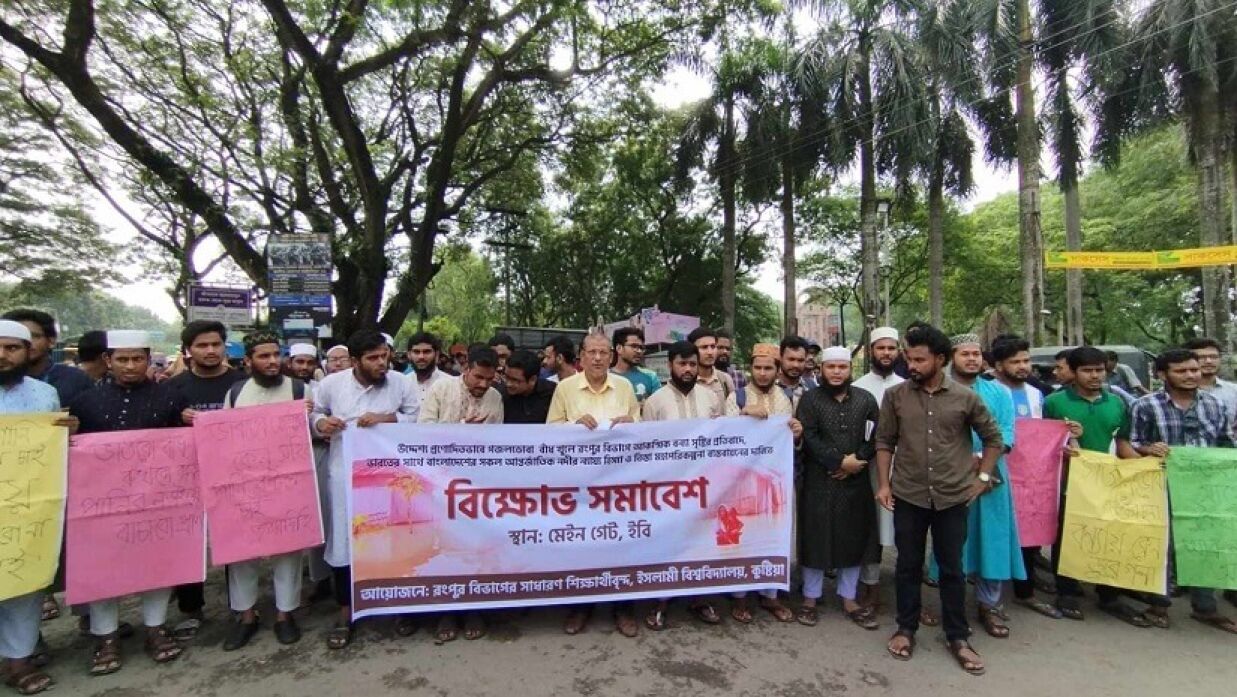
pixel 819 323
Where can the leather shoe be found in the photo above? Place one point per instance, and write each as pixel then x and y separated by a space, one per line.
pixel 287 631
pixel 240 635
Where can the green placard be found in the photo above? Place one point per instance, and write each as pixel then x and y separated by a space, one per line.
pixel 1202 484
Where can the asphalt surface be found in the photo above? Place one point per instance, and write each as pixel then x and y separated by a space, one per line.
pixel 526 653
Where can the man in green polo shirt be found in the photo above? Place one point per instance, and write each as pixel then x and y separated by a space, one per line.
pixel 1099 421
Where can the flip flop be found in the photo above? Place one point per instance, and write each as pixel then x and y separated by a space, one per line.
pixel 705 613
pixel 779 611
pixel 1126 614
pixel 655 620
pixel 1043 607
pixel 1216 620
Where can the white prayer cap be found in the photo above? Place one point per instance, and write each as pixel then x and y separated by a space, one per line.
pixel 127 339
pixel 835 353
pixel 390 339
pixel 883 333
pixel 303 350
pixel 14 330
pixel 336 349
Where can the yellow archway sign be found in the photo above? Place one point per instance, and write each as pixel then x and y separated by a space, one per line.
pixel 1146 261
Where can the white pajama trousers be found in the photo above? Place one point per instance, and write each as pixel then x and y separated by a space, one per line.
pixel 243 580
pixel 105 614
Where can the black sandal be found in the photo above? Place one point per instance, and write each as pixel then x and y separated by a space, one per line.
pixel 405 625
pixel 863 617
pixel 990 618
pixel 907 652
pixel 1126 614
pixel 30 681
pixel 705 613
pixel 161 646
pixel 656 619
pixel 106 659
pixel 807 615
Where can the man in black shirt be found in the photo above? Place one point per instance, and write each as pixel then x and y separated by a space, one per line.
pixel 130 401
pixel 68 381
pixel 526 397
pixel 203 387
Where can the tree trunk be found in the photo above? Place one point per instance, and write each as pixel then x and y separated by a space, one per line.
pixel 790 295
pixel 1031 247
pixel 1208 151
pixel 936 247
pixel 868 241
pixel 1074 326
pixel 727 181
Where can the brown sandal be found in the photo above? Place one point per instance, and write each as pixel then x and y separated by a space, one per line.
pixel 656 619
pixel 777 609
pixel 741 611
pixel 928 619
pixel 161 646
pixel 971 666
pixel 106 659
pixel 51 611
pixel 577 621
pixel 990 618
pixel 474 626
pixel 1216 620
pixel 29 681
pixel 863 617
pixel 705 613
pixel 448 629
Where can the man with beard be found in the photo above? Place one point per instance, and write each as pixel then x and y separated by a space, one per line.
pixel 503 346
pixel 559 358
pixel 793 361
pixel 200 388
pixel 20 616
pixel 836 508
pixel 760 399
pixel 725 353
pixel 526 397
pixel 629 362
pixel 365 396
pixel 709 376
pixel 591 398
pixel 993 554
pixel 681 400
pixel 130 402
pixel 68 381
pixel 1011 364
pixel 467 399
pixel 423 352
pixel 1207 351
pixel 884 353
pixel 266 385
pixel 927 423
pixel 302 362
pixel 1181 414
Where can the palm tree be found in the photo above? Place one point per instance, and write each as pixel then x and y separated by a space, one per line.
pixel 1077 33
pixel 1181 60
pixel 862 67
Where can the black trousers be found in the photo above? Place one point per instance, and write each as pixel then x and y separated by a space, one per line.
pixel 1024 590
pixel 341 585
pixel 910 529
pixel 191 598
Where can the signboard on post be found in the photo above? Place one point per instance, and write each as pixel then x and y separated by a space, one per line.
pixel 232 306
pixel 300 297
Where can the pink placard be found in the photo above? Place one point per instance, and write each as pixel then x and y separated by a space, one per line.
pixel 258 481
pixel 135 520
pixel 1035 475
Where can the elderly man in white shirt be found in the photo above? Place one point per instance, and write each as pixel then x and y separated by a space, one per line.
pixel 883 347
pixel 365 396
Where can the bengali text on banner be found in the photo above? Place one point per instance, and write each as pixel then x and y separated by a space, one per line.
pixel 258 481
pixel 135 520
pixel 1035 478
pixel 450 517
pixel 1223 255
pixel 32 500
pixel 1201 483
pixel 1116 523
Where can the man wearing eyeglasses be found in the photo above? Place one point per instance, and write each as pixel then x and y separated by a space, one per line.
pixel 629 349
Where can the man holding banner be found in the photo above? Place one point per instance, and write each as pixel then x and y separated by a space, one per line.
pixel 130 402
pixel 365 396
pixel 1099 420
pixel 20 614
pixel 679 400
pixel 591 398
pixel 1180 414
pixel 266 385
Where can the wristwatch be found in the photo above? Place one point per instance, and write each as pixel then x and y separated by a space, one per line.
pixel 985 477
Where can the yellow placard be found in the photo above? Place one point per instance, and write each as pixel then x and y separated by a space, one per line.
pixel 1147 261
pixel 1116 523
pixel 33 469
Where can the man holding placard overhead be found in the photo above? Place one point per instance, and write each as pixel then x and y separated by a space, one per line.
pixel 130 402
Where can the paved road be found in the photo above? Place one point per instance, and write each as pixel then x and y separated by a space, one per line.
pixel 525 653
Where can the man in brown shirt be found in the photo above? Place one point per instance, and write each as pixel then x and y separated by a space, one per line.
pixel 928 421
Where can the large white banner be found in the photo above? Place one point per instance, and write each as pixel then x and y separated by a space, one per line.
pixel 469 516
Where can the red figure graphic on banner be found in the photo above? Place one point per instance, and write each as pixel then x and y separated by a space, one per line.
pixel 729 527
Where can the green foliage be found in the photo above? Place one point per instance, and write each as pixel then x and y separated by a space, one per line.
pixel 79 312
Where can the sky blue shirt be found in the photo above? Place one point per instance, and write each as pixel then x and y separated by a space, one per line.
pixel 29 395
pixel 643 382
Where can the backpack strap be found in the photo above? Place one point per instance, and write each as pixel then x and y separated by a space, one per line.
pixel 298 389
pixel 740 397
pixel 235 390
